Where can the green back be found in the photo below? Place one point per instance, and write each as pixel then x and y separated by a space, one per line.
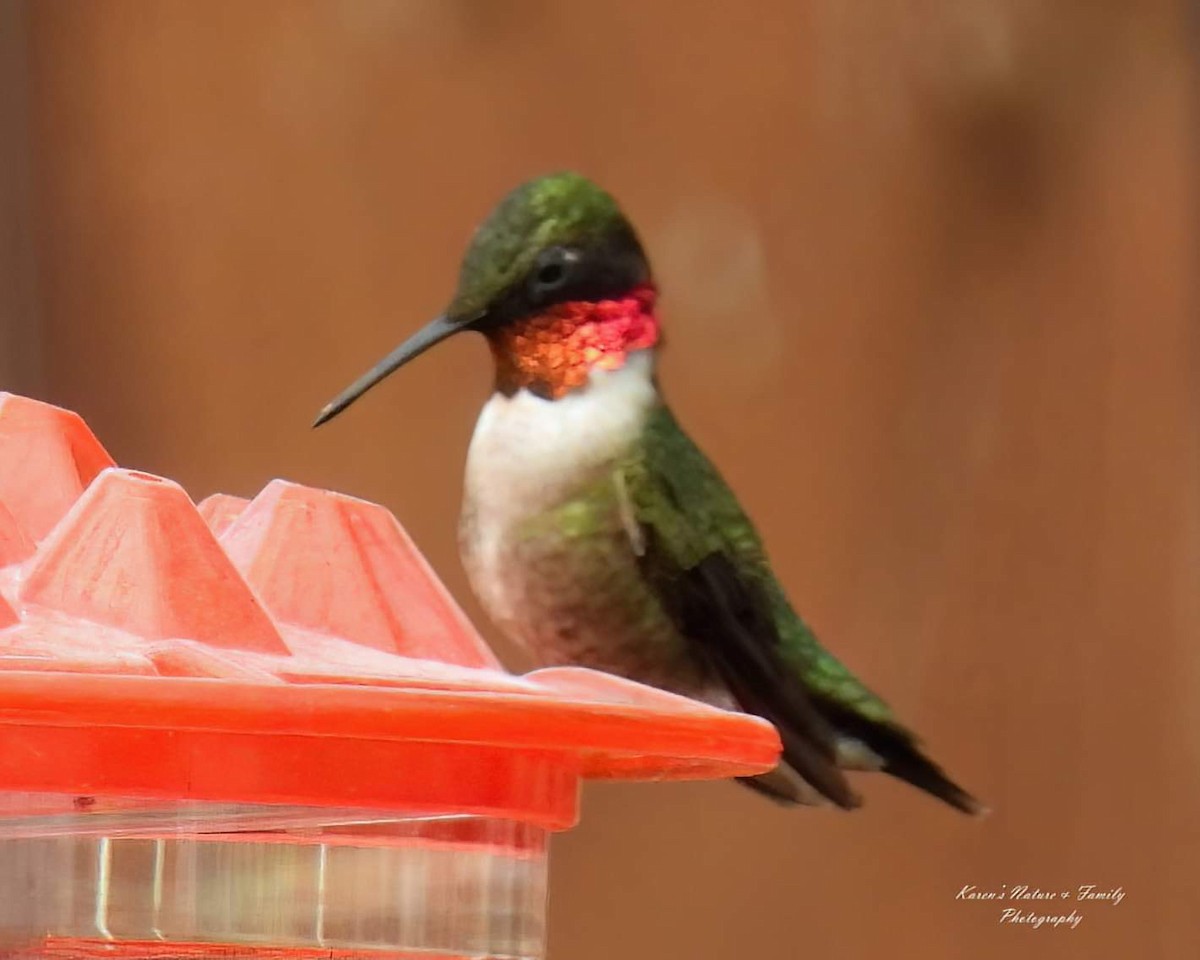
pixel 677 492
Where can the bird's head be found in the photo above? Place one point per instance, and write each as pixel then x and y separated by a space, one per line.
pixel 557 281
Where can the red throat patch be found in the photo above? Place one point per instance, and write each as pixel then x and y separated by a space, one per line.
pixel 553 352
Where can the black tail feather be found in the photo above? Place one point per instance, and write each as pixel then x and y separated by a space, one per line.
pixel 901 756
pixel 765 787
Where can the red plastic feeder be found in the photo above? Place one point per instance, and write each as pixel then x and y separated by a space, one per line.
pixel 263 728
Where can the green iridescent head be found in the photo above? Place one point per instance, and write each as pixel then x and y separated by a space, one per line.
pixel 558 235
pixel 554 239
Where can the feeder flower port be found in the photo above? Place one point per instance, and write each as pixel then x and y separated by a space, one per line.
pixel 264 729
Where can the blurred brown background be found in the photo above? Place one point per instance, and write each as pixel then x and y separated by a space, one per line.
pixel 929 279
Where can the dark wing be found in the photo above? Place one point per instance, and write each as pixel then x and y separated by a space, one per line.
pixel 702 561
pixel 705 563
pixel 730 623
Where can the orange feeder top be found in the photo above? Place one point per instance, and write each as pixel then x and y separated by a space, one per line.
pixel 291 649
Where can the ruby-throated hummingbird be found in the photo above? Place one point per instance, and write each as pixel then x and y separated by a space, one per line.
pixel 596 533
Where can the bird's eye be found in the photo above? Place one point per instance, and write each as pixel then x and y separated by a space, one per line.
pixel 552 271
pixel 551 274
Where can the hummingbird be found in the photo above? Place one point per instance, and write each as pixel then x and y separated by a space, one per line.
pixel 596 533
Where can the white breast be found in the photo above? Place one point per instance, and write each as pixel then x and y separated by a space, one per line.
pixel 529 454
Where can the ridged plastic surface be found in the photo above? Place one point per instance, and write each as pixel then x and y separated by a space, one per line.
pixel 291 649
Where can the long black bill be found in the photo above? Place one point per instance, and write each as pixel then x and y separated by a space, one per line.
pixel 431 334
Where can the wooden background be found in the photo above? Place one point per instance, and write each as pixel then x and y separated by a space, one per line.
pixel 929 280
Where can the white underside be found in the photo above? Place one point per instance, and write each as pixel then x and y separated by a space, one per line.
pixel 528 453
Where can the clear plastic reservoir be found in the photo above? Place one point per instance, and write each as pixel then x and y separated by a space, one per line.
pixel 87 878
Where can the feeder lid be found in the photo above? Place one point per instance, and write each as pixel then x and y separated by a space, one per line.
pixel 295 648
